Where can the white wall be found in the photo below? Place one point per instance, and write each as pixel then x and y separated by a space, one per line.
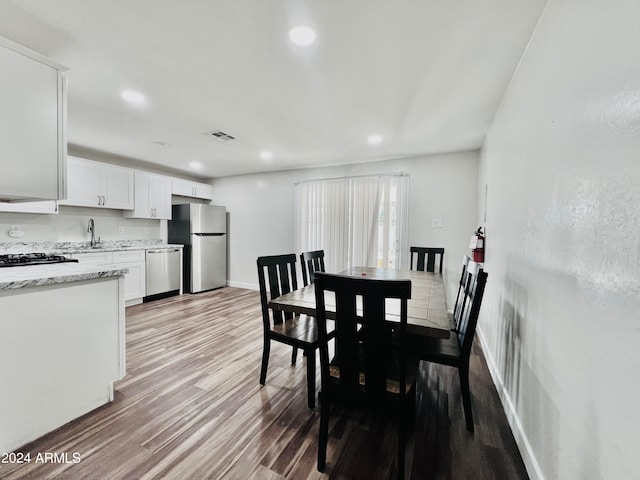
pixel 261 209
pixel 560 317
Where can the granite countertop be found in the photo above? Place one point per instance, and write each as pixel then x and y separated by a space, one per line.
pixel 12 278
pixel 68 248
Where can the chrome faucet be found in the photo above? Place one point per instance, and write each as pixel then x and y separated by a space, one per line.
pixel 92 229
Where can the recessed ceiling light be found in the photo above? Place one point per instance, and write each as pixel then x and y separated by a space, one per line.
pixel 266 156
pixel 132 96
pixel 374 139
pixel 195 165
pixel 302 35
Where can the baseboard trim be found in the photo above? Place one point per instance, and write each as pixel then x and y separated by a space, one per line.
pixel 528 455
pixel 248 286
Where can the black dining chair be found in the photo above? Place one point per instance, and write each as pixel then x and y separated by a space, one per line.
pixel 456 350
pixel 424 258
pixel 277 276
pixel 369 369
pixel 311 262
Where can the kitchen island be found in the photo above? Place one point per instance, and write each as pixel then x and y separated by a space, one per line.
pixel 62 346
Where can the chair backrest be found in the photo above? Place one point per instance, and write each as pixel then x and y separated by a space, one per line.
pixel 281 278
pixel 425 258
pixel 469 309
pixel 311 262
pixel 461 284
pixel 363 337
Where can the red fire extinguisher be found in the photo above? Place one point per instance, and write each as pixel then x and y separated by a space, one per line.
pixel 477 246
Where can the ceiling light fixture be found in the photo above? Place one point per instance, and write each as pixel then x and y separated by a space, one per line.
pixel 266 156
pixel 132 96
pixel 302 36
pixel 195 165
pixel 374 139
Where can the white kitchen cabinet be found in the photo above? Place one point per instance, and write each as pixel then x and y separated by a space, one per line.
pixel 33 124
pixel 187 188
pixel 49 206
pixel 133 260
pixel 152 196
pixel 62 347
pixel 100 185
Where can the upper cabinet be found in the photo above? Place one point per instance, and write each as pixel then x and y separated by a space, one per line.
pixel 152 196
pixel 100 185
pixel 33 144
pixel 187 188
pixel 47 206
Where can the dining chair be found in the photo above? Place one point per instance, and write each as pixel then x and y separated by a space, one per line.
pixel 426 253
pixel 368 369
pixel 311 262
pixel 456 350
pixel 277 276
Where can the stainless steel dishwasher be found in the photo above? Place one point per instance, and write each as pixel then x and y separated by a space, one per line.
pixel 163 269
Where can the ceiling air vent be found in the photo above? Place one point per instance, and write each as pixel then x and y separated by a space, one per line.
pixel 220 135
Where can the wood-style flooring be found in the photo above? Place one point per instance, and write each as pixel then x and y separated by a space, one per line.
pixel 191 407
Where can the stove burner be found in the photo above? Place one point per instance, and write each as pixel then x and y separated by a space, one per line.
pixel 22 259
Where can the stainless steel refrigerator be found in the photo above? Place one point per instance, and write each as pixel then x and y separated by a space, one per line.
pixel 202 229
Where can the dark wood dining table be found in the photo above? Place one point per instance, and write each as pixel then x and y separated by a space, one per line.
pixel 426 309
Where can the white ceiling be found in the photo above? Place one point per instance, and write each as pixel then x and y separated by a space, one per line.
pixel 426 75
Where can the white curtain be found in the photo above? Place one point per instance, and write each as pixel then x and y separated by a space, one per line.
pixel 357 221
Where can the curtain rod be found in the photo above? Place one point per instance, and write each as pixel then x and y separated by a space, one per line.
pixel 399 174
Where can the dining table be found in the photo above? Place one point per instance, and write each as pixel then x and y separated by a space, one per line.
pixel 426 309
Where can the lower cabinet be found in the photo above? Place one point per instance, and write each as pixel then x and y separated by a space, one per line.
pixel 62 347
pixel 134 260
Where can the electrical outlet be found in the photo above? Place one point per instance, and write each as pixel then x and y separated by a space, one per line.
pixel 120 229
pixel 146 230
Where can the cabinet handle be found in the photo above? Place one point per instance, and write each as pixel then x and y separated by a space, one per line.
pixel 104 200
pixel 99 200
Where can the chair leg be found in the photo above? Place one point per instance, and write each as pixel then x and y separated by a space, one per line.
pixel 294 355
pixel 401 447
pixel 311 378
pixel 323 435
pixel 466 396
pixel 265 361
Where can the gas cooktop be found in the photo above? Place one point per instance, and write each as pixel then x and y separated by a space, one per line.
pixel 22 259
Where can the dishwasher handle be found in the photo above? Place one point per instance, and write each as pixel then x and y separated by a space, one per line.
pixel 164 250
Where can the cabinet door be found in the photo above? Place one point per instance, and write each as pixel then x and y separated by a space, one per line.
pixel 181 187
pixel 32 125
pixel 142 196
pixel 203 191
pixel 117 187
pixel 84 183
pixel 134 281
pixel 162 197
